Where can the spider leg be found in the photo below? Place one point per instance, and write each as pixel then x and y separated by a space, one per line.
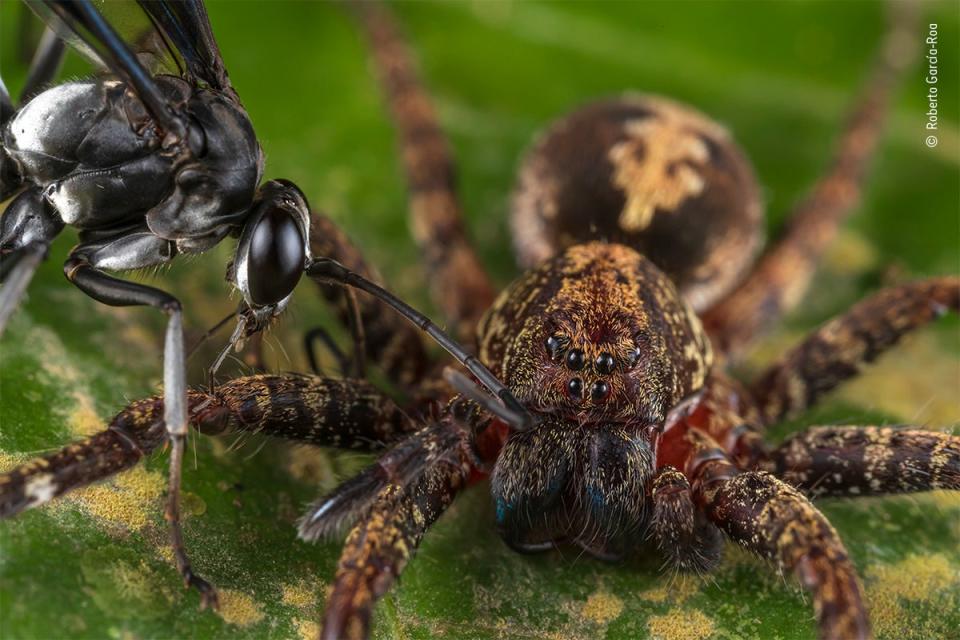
pixel 772 519
pixel 688 545
pixel 460 286
pixel 379 335
pixel 839 349
pixel 349 414
pixel 856 461
pixel 345 413
pixel 782 276
pixel 399 514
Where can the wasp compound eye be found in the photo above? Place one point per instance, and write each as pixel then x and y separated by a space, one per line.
pixel 275 257
pixel 575 360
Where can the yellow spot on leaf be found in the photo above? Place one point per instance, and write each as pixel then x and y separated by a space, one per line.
pixel 677 592
pixel 238 608
pixel 129 500
pixel 680 624
pixel 915 578
pixel 299 595
pixel 306 629
pixel 602 607
pixel 927 396
pixel 83 419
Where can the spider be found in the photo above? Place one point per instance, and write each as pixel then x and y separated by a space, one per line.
pixel 620 357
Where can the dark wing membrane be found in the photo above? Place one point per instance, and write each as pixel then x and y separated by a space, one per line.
pixel 132 25
pixel 186 25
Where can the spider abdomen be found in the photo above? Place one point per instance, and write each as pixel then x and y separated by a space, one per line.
pixel 652 174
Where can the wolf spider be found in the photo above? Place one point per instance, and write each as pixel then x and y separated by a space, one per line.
pixel 638 220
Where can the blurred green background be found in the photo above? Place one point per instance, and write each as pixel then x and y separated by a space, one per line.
pixel 779 74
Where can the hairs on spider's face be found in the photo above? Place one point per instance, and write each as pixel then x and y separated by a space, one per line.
pixel 585 484
pixel 597 334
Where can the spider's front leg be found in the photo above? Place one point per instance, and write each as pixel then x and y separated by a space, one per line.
pixel 774 520
pixel 400 509
pixel 310 409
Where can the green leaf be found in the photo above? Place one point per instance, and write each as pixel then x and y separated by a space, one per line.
pixel 779 75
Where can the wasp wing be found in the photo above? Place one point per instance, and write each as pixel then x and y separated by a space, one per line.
pixel 186 24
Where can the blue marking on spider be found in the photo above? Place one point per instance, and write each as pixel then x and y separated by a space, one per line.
pixel 596 497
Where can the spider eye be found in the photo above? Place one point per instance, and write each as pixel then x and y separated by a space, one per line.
pixel 604 364
pixel 275 257
pixel 633 357
pixel 554 345
pixel 599 391
pixel 575 360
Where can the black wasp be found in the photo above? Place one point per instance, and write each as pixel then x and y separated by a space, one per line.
pixel 148 166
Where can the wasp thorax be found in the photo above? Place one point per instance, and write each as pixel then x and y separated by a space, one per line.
pixel 596 334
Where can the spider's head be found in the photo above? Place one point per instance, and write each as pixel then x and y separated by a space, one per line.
pixel 272 252
pixel 598 334
pixel 598 342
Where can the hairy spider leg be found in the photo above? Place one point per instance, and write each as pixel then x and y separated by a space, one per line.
pixel 868 461
pixel 399 513
pixel 349 414
pixel 841 348
pixel 459 285
pixel 782 276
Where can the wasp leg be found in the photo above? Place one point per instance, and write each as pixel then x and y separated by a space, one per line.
pixel 81 270
pixel 45 64
pixel 839 349
pixel 460 286
pixel 783 274
pixel 399 514
pixel 321 335
pixel 858 461
pixel 383 337
pixel 27 228
pixel 308 409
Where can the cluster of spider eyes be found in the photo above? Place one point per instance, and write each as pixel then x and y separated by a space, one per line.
pixel 575 360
